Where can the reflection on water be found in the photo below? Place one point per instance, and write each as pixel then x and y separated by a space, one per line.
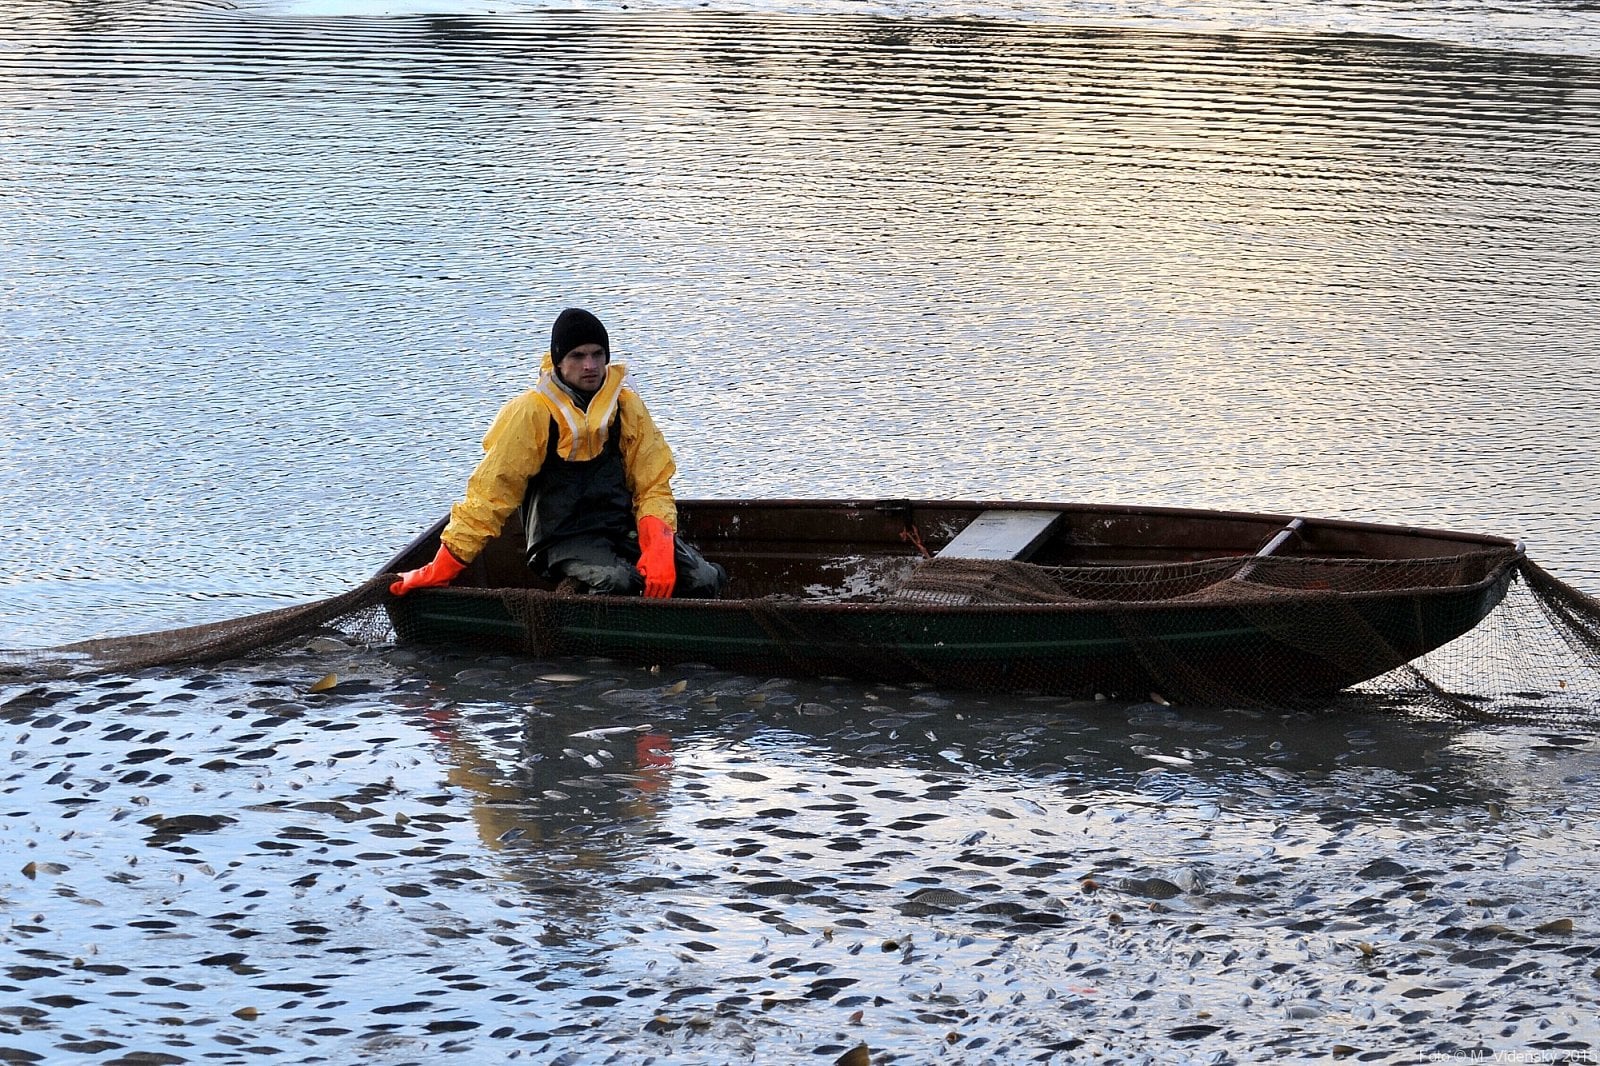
pixel 441 853
pixel 268 279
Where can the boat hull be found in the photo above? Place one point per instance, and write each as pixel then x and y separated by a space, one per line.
pixel 1312 644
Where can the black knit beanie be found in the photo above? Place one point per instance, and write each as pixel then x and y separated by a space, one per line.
pixel 573 327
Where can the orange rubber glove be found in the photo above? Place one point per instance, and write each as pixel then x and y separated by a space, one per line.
pixel 444 569
pixel 656 564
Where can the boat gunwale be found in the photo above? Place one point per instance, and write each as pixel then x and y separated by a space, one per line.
pixel 1160 511
pixel 1482 544
pixel 1485 540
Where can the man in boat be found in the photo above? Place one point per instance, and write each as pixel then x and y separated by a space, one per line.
pixel 581 455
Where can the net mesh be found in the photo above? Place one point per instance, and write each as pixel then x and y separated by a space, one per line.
pixel 1231 579
pixel 1508 640
pixel 1534 656
pixel 357 613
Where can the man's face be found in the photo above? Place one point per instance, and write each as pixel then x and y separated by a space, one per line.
pixel 584 367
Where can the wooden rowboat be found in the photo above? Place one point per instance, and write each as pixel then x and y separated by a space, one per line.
pixel 1070 599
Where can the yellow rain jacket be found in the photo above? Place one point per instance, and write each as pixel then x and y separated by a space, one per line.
pixel 517 443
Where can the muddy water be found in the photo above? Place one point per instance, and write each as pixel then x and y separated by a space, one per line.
pixel 584 862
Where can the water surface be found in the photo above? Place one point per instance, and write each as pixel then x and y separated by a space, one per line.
pixel 270 269
pixel 607 864
pixel 270 275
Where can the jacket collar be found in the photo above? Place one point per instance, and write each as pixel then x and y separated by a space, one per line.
pixel 583 430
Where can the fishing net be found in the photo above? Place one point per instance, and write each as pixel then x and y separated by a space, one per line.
pixel 1484 634
pixel 1231 579
pixel 357 614
pixel 1521 644
pixel 1480 635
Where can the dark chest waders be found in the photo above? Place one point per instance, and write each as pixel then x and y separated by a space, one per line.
pixel 566 498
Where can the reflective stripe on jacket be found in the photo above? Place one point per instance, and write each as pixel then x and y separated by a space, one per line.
pixel 516 445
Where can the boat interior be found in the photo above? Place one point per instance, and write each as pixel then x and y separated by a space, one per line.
pixel 863 550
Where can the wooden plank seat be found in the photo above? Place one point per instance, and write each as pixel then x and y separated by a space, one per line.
pixel 993 536
pixel 1013 535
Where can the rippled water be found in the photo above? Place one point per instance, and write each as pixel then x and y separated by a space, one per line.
pixel 267 271
pixel 491 859
pixel 268 276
